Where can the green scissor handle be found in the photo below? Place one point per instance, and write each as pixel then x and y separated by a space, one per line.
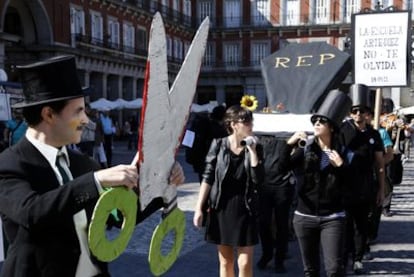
pixel 173 222
pixel 123 200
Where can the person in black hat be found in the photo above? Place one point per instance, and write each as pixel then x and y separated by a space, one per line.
pixel 47 191
pixel 319 220
pixel 366 152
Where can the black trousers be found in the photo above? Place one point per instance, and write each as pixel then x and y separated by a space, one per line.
pixel 357 229
pixel 274 209
pixel 328 234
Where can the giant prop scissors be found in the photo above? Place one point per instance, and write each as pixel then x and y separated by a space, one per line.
pixel 163 117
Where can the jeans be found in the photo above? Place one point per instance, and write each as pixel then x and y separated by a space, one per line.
pixel 328 234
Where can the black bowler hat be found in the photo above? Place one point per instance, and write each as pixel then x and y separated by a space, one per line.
pixel 360 95
pixel 335 107
pixel 51 80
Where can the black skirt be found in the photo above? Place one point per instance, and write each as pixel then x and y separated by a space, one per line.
pixel 232 224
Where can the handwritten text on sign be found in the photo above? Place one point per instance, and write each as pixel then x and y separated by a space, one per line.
pixel 380 49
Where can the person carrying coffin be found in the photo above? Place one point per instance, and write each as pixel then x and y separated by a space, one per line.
pixel 366 160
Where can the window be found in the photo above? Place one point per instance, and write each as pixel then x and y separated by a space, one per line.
pixel 321 11
pixel 187 7
pixel 129 37
pixel 142 39
pixel 77 20
pixel 176 5
pixel 96 27
pixel 164 8
pixel 187 12
pixel 113 32
pixel 205 9
pixel 209 55
pixel 178 49
pixel 259 51
pixel 260 12
pixel 292 14
pixel 169 47
pixel 351 7
pixel 231 54
pixel 232 13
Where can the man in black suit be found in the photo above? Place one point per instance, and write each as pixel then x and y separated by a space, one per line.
pixel 46 207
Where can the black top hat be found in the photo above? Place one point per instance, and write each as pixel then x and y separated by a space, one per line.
pixel 360 95
pixel 335 107
pixel 51 80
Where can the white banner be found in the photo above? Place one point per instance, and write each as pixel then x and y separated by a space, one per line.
pixel 380 47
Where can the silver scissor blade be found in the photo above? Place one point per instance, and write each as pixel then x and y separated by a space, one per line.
pixel 187 77
pixel 166 113
pixel 152 178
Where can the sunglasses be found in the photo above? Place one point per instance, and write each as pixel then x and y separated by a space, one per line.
pixel 321 120
pixel 356 110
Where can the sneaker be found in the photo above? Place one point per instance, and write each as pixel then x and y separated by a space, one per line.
pixel 358 268
pixel 387 213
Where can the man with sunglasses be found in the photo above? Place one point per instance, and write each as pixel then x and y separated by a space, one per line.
pixel 366 152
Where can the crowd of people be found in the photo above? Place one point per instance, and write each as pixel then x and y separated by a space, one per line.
pixel 332 190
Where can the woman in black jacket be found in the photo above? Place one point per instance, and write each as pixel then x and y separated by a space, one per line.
pixel 230 181
pixel 319 219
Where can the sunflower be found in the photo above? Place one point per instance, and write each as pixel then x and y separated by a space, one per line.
pixel 249 102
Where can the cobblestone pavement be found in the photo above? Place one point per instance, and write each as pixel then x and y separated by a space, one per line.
pixel 393 253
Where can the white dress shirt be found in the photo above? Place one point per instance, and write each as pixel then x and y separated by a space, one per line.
pixel 85 266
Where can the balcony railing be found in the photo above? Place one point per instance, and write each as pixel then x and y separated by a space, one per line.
pixel 262 22
pixel 167 12
pixel 231 66
pixel 101 45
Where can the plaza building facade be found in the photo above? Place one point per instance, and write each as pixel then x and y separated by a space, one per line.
pixel 110 38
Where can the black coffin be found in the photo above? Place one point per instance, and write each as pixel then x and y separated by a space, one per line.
pixel 300 75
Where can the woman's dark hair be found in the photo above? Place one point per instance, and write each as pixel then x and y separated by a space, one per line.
pixel 236 113
pixel 32 114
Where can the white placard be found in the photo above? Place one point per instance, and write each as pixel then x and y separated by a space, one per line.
pixel 380 46
pixel 1 242
pixel 188 139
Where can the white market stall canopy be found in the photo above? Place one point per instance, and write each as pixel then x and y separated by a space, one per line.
pixel 103 104
pixel 407 110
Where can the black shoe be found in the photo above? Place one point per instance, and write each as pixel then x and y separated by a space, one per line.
pixel 264 260
pixel 280 267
